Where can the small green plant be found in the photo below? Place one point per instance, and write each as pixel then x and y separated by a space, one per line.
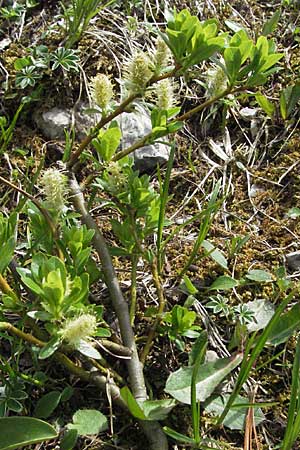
pixel 77 17
pixel 178 324
pixel 241 313
pixel 235 245
pixel 17 10
pixel 40 62
pixel 12 13
pixel 12 394
pixel 289 98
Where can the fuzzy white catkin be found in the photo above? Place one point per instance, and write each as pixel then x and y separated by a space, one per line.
pixel 162 54
pixel 80 328
pixel 165 94
pixel 54 187
pixel 102 90
pixel 216 81
pixel 137 71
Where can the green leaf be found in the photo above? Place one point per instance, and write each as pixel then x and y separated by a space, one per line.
pixel 271 24
pixel 50 348
pixel 14 405
pixel 187 283
pixel 288 100
pixel 7 252
pixel 270 61
pixel 157 409
pixel 20 63
pixel 69 440
pixel 287 325
pixel 259 275
pixel 102 332
pixel 233 60
pixel 66 394
pixel 40 315
pixel 199 346
pixel 235 419
pixel 224 283
pixel 47 404
pixel 17 432
pixel 208 378
pixel 107 142
pixel 86 349
pixel 265 104
pixel 178 436
pixel 257 79
pixel 174 126
pixel 215 254
pixel 283 105
pixel 19 394
pixel 133 406
pixel 263 312
pixel 88 421
pixel 32 285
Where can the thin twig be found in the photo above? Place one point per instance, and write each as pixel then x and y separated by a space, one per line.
pixel 134 261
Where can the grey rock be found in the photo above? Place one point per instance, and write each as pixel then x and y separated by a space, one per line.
pixel 293 261
pixel 135 126
pixel 84 121
pixel 52 123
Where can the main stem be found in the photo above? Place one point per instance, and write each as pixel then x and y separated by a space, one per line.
pixel 152 429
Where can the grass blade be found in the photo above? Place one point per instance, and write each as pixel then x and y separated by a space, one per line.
pixel 163 204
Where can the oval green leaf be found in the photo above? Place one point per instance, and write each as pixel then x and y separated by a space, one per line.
pixel 223 283
pixel 287 325
pixel 69 440
pixel 207 379
pixel 88 421
pixel 17 432
pixel 259 275
pixel 50 347
pixel 235 419
pixel 47 404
